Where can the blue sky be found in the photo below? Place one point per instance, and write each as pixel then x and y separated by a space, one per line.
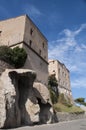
pixel 63 22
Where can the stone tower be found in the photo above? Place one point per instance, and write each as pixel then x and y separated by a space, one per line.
pixel 22 32
pixel 62 75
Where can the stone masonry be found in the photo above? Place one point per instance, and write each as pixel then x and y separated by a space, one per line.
pixel 62 75
pixel 22 32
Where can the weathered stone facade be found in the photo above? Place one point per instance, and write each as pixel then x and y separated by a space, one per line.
pixel 62 75
pixel 21 31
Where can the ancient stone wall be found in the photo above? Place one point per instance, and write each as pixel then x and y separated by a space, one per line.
pixel 35 39
pixel 12 31
pixel 21 30
pixel 62 75
pixel 34 62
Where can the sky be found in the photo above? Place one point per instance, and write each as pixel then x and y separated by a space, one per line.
pixel 63 23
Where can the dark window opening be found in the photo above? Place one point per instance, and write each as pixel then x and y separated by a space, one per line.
pixel 40 52
pixel 44 57
pixel 53 62
pixel 43 44
pixel 30 43
pixel 0 33
pixel 31 31
pixel 59 70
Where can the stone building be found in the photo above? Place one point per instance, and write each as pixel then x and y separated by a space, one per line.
pixel 22 32
pixel 62 75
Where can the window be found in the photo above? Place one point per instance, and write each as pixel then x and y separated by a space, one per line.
pixel 0 33
pixel 30 43
pixel 62 73
pixel 44 57
pixel 31 31
pixel 53 61
pixel 40 52
pixel 43 44
pixel 59 70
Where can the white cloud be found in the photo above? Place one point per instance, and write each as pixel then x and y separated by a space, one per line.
pixel 79 83
pixel 71 53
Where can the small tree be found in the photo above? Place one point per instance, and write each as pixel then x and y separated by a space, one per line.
pixel 80 101
pixel 18 57
pixel 5 53
pixel 53 87
pixel 52 81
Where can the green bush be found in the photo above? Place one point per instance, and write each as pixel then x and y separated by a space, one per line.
pixel 5 53
pixel 53 96
pixel 16 56
pixel 52 81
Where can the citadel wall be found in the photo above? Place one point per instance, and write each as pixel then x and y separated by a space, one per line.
pixel 22 32
pixel 12 31
pixel 62 75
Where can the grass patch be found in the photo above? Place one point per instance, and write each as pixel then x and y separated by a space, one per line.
pixel 59 107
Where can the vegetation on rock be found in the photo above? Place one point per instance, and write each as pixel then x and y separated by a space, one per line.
pixel 53 88
pixel 61 103
pixel 15 57
pixel 59 107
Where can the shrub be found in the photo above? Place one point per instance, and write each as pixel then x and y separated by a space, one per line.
pixel 16 56
pixel 53 96
pixel 53 87
pixel 5 53
pixel 52 81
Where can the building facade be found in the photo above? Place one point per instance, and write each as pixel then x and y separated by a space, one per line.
pixel 62 75
pixel 22 32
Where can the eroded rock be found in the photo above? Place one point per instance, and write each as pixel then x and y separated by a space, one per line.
pixel 43 96
pixel 14 94
pixel 21 102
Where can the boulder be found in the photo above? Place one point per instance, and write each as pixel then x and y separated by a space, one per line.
pixel 43 97
pixel 15 86
pixel 21 102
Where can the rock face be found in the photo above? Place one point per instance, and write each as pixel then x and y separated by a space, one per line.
pixel 4 65
pixel 42 94
pixel 20 102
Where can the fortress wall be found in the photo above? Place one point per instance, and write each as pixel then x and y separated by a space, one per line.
pixel 37 64
pixel 35 39
pixel 12 30
pixel 16 31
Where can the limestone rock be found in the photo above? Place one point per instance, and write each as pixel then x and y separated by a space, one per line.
pixel 43 96
pixel 42 92
pixel 21 102
pixel 14 89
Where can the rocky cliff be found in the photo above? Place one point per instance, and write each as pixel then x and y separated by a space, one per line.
pixel 21 102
